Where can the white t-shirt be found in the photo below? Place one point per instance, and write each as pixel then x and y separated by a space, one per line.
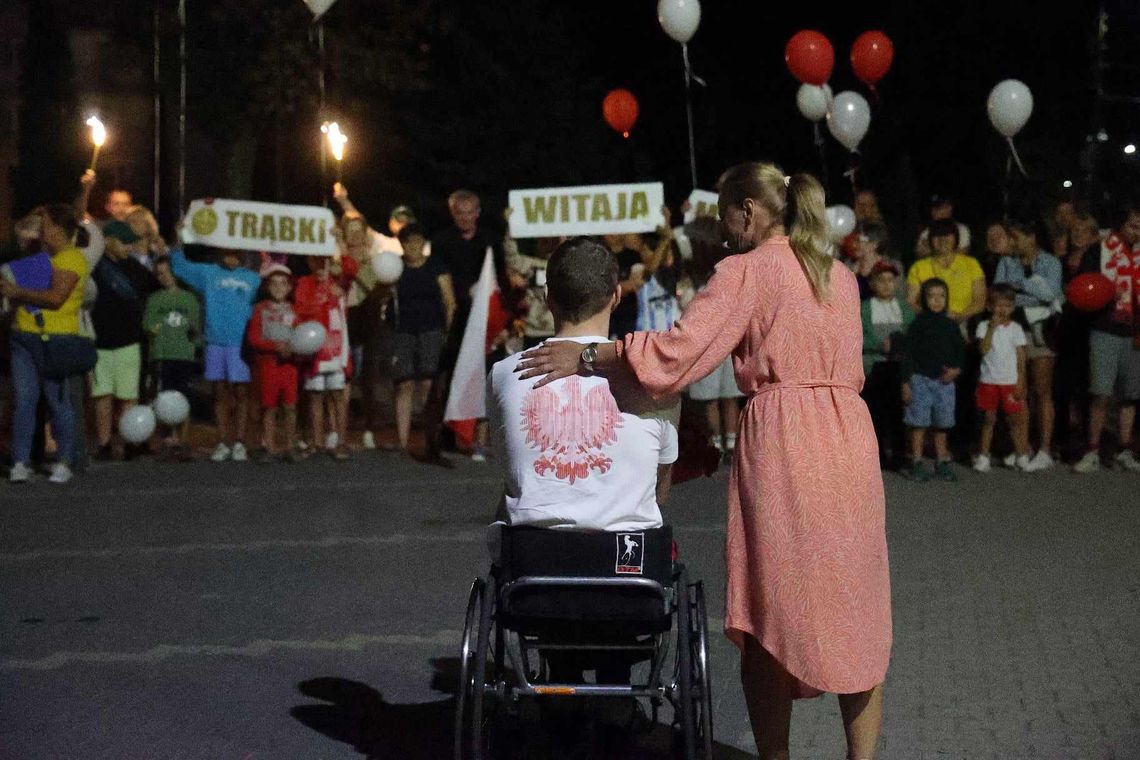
pixel 570 457
pixel 999 366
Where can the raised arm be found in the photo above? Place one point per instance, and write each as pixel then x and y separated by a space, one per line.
pixel 194 275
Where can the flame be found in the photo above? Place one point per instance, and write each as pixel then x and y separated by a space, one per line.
pixel 337 139
pixel 98 131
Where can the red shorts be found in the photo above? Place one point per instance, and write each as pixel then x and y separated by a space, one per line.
pixel 990 397
pixel 278 382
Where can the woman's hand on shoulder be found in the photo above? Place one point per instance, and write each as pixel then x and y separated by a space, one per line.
pixel 551 361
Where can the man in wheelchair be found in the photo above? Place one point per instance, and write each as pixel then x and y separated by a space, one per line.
pixel 584 453
pixel 583 575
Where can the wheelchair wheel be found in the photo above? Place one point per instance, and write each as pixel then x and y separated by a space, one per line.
pixel 684 687
pixel 482 714
pixel 702 680
pixel 468 673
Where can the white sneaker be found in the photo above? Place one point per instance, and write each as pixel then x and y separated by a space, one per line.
pixel 1010 461
pixel 20 473
pixel 478 456
pixel 730 441
pixel 221 453
pixel 1127 460
pixel 60 473
pixel 982 463
pixel 1090 462
pixel 1023 463
pixel 331 440
pixel 368 441
pixel 1040 462
pixel 240 454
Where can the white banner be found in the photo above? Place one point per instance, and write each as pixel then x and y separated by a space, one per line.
pixel 588 210
pixel 702 203
pixel 256 226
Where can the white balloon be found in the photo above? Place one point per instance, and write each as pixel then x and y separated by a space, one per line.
pixel 318 7
pixel 136 425
pixel 840 222
pixel 1009 106
pixel 849 119
pixel 679 18
pixel 307 338
pixel 814 102
pixel 171 408
pixel 388 267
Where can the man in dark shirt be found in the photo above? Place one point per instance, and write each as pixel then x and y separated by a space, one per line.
pixel 124 285
pixel 461 247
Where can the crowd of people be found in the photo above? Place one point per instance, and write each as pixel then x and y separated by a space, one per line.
pixel 973 331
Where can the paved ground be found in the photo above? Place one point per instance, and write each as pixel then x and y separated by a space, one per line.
pixel 312 611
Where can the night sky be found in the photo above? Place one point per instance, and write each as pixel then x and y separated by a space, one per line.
pixel 509 95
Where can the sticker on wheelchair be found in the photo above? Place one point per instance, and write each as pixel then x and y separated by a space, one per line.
pixel 630 553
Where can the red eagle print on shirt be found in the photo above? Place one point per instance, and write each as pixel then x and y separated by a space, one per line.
pixel 572 433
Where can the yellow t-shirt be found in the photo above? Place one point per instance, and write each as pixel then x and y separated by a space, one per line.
pixel 959 277
pixel 65 319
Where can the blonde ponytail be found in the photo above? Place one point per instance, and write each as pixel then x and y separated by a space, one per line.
pixel 798 202
pixel 806 221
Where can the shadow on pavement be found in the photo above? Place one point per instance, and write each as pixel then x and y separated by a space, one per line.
pixel 358 715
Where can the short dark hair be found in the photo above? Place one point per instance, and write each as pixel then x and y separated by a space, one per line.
pixel 581 277
pixel 64 215
pixel 944 228
pixel 1003 291
pixel 929 285
pixel 409 230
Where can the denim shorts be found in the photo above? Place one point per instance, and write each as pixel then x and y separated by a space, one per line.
pixel 931 403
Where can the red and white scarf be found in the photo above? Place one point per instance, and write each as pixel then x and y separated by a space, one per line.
pixel 1121 265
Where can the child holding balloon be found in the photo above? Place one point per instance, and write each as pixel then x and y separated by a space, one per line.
pixel 320 297
pixel 1114 342
pixel 173 322
pixel 269 334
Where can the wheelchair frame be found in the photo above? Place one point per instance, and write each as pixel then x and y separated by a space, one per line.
pixel 484 690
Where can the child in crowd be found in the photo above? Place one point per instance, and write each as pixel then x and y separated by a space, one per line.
pixel 426 306
pixel 320 297
pixel 932 363
pixel 269 332
pixel 1001 382
pixel 886 318
pixel 172 320
pixel 228 290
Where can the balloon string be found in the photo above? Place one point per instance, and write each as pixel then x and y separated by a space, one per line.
pixel 1016 158
pixel 822 146
pixel 689 114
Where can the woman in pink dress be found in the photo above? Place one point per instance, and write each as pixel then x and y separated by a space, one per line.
pixel 808 597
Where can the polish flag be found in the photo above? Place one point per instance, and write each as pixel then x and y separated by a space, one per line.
pixel 466 401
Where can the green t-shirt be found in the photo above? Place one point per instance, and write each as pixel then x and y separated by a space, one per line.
pixel 172 321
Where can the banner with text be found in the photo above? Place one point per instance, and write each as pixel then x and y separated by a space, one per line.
pixel 589 210
pixel 702 203
pixel 257 226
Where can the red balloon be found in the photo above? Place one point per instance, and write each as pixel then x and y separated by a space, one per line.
pixel 871 57
pixel 1090 291
pixel 810 57
pixel 620 110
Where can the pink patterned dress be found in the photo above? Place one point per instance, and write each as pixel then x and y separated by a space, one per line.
pixel 806 549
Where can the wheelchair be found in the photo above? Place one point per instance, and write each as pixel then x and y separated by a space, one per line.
pixel 560 594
